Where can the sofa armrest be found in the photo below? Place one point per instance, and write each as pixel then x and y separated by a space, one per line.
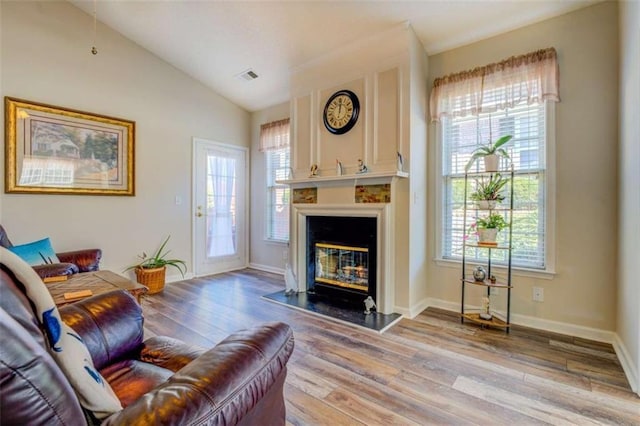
pixel 56 269
pixel 110 324
pixel 240 381
pixel 88 260
pixel 168 353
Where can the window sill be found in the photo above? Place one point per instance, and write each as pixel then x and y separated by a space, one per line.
pixel 277 242
pixel 517 271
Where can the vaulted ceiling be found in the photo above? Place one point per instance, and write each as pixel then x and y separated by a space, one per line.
pixel 215 41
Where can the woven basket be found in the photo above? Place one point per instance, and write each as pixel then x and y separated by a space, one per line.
pixel 152 278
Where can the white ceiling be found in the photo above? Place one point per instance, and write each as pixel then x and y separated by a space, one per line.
pixel 213 41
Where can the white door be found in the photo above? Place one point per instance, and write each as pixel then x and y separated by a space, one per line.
pixel 220 207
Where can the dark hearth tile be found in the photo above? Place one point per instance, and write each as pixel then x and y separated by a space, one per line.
pixel 341 311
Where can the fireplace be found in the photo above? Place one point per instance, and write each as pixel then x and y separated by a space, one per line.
pixel 341 257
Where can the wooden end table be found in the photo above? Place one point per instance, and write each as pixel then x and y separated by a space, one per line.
pixel 98 282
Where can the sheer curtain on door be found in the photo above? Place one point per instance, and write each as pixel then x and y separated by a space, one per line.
pixel 221 198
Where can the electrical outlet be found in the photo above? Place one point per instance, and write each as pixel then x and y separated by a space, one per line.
pixel 538 294
pixel 495 291
pixel 285 255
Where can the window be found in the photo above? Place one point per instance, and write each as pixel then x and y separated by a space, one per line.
pixel 274 143
pixel 512 97
pixel 277 195
pixel 460 136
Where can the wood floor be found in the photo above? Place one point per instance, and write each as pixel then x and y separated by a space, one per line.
pixel 429 370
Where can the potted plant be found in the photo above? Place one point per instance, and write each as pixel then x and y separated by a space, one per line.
pixel 490 153
pixel 487 193
pixel 151 270
pixel 487 228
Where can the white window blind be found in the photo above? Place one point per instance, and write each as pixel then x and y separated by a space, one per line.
pixel 277 195
pixel 477 107
pixel 274 143
pixel 527 149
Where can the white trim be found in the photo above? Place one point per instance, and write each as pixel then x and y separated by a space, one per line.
pixel 174 278
pixel 266 268
pixel 627 363
pixel 414 310
pixel 444 304
pixel 345 178
pixel 438 204
pixel 223 271
pixel 574 330
pixel 298 243
pixel 516 271
pixel 550 190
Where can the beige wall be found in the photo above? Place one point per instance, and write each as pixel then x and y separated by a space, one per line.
pixel 46 58
pixel 267 255
pixel 583 290
pixel 628 324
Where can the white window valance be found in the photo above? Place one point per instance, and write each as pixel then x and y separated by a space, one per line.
pixel 532 78
pixel 274 135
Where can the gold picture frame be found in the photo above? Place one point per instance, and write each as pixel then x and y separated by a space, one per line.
pixel 55 150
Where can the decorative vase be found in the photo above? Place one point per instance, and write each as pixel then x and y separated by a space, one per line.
pixel 491 163
pixel 479 274
pixel 153 278
pixel 487 235
pixel 486 204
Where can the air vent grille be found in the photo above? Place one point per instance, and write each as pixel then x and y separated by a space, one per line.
pixel 247 75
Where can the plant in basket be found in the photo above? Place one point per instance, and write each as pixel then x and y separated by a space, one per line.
pixel 487 193
pixel 151 270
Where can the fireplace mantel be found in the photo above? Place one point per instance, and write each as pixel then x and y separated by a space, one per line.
pixel 385 244
pixel 346 179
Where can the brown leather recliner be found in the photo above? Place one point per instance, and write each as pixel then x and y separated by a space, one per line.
pixel 158 381
pixel 71 262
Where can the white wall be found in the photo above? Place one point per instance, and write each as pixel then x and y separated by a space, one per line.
pixel 628 319
pixel 582 294
pixel 267 255
pixel 46 58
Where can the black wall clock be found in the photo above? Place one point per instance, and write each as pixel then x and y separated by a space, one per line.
pixel 341 112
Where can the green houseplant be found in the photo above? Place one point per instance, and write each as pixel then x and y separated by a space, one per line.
pixel 487 228
pixel 151 270
pixel 487 192
pixel 491 154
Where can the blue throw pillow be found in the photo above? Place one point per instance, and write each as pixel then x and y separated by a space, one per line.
pixel 37 252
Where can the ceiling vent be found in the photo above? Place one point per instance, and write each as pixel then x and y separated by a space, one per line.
pixel 247 75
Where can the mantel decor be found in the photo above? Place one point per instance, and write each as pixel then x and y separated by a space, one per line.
pixel 55 150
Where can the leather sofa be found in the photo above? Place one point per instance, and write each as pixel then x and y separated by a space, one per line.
pixel 158 381
pixel 71 262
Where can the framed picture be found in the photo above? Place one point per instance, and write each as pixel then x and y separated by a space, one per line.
pixel 54 150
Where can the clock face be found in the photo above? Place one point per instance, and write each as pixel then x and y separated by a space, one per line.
pixel 341 112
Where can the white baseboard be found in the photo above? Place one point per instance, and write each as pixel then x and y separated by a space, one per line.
pixel 177 277
pixel 541 324
pixel 414 310
pixel 630 370
pixel 266 268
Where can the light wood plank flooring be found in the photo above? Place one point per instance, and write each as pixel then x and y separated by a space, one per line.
pixel 429 370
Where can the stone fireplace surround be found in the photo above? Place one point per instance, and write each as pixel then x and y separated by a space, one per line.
pixel 384 259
